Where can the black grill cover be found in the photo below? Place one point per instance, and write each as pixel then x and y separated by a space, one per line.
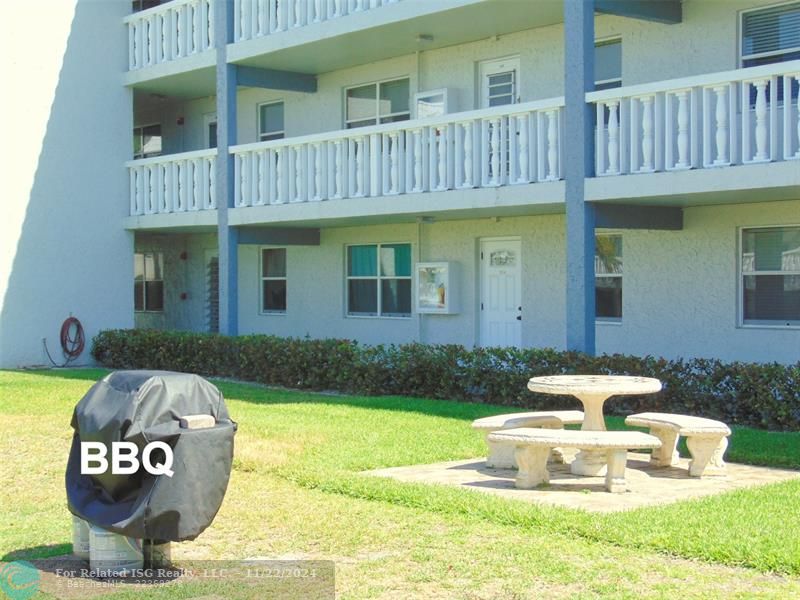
pixel 142 407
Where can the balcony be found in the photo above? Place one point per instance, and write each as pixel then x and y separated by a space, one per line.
pixel 171 45
pixel 257 18
pixel 694 126
pixel 183 28
pixel 168 32
pixel 178 184
pixel 708 121
pixel 715 137
pixel 508 145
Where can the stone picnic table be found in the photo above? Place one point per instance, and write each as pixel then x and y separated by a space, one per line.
pixel 593 391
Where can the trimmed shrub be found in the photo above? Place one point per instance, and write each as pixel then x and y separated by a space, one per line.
pixel 754 394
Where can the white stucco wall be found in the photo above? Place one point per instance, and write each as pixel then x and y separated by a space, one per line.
pixel 706 41
pixel 62 246
pixel 679 291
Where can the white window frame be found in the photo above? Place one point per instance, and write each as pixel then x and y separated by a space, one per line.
pixel 377 278
pixel 262 279
pixel 620 276
pixel 421 96
pixel 145 281
pixel 740 322
pixel 282 132
pixel 740 34
pixel 616 39
pixel 209 119
pixel 141 129
pixel 378 115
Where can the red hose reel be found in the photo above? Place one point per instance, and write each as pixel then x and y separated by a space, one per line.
pixel 72 341
pixel 72 338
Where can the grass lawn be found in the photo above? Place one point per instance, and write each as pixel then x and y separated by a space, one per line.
pixel 295 492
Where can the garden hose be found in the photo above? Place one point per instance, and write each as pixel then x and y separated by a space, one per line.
pixel 72 341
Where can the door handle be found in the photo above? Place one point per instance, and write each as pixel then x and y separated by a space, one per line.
pixel 519 317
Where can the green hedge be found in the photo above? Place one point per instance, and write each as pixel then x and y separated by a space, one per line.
pixel 759 395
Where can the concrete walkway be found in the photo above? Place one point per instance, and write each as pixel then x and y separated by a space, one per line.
pixel 648 486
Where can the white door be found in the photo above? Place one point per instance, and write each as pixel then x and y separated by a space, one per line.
pixel 501 293
pixel 499 82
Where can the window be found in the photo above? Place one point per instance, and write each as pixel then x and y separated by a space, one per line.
pixel 270 121
pixel 771 34
pixel 148 282
pixel 147 141
pixel 501 88
pixel 608 64
pixel 210 124
pixel 379 280
pixel 273 280
pixel 382 102
pixel 770 267
pixel 431 104
pixel 608 277
pixel 144 4
pixel 499 81
pixel 212 134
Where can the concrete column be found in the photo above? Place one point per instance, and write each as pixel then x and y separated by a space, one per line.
pixel 227 237
pixel 579 164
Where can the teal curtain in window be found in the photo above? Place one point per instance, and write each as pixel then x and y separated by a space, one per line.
pixel 362 261
pixel 396 260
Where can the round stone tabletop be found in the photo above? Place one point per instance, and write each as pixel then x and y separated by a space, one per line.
pixel 575 385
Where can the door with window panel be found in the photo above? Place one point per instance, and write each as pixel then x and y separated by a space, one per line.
pixel 501 293
pixel 499 87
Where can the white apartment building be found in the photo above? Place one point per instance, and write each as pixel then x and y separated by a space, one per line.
pixel 478 172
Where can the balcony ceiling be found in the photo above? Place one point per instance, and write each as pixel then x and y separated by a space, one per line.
pixel 392 31
pixel 169 80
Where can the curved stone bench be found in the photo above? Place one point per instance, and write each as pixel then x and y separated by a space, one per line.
pixel 501 456
pixel 705 438
pixel 532 447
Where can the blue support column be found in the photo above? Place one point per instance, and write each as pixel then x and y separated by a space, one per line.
pixel 227 237
pixel 579 164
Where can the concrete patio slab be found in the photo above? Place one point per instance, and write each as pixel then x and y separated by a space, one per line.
pixel 648 486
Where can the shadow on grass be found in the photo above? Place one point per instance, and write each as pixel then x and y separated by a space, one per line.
pixel 33 552
pixel 74 373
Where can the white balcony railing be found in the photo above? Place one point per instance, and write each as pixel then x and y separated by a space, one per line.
pixel 256 18
pixel 172 184
pixel 722 119
pixel 500 146
pixel 170 31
